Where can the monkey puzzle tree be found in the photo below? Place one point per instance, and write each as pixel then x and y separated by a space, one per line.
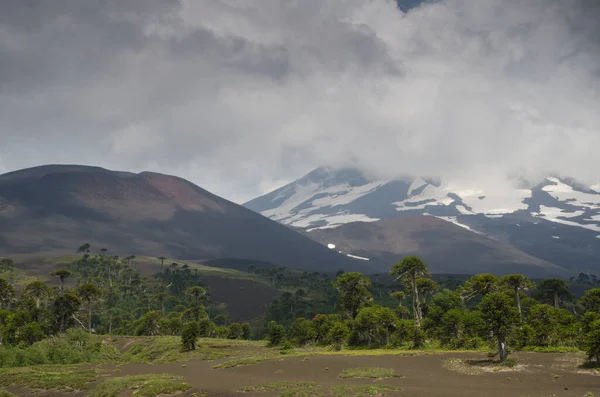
pixel 500 317
pixel 478 285
pixel 37 290
pixel 408 271
pixel 62 275
pixel 554 290
pixel 89 293
pixel 64 307
pixel 354 292
pixel 6 265
pixel 517 283
pixel 591 300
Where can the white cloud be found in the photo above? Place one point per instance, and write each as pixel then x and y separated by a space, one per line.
pixel 238 96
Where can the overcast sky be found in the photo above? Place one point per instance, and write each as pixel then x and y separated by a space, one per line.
pixel 242 96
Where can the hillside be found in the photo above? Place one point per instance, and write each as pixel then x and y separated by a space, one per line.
pixel 55 209
pixel 445 247
pixel 556 219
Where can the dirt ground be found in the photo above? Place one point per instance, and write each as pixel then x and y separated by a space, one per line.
pixel 537 375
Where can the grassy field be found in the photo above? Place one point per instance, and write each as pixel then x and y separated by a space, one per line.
pixel 151 366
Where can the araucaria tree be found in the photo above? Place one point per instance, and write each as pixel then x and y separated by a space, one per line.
pixel 554 290
pixel 517 283
pixel 500 318
pixel 407 272
pixel 89 293
pixel 354 292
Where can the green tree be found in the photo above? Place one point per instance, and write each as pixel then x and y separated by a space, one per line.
pixel 517 283
pixel 89 293
pixel 275 333
pixel 235 331
pixel 64 308
pixel 553 291
pixel 592 342
pixel 374 325
pixel 149 324
pixel 301 332
pixel 37 290
pixel 6 265
pixel 408 271
pixel 189 336
pixel 591 300
pixel 7 293
pixel 354 292
pixel 30 333
pixel 500 317
pixel 478 285
pixel 207 327
pixel 246 331
pixel 62 275
pixel 338 335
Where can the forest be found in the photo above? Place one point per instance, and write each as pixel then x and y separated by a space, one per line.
pixel 104 294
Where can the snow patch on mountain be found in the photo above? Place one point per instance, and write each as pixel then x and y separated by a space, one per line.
pixel 327 198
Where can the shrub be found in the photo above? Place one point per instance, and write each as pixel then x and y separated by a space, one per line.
pixel 189 336
pixel 275 333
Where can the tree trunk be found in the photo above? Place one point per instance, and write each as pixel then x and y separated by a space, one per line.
pixel 416 301
pixel 556 304
pixel 502 349
pixel 62 283
pixel 518 299
pixel 90 318
pixel 162 306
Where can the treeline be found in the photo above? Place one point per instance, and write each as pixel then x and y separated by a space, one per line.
pixel 111 297
pixel 505 313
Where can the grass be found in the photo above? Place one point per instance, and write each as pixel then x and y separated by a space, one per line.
pixel 4 393
pixel 149 385
pixel 243 361
pixel 478 367
pixel 550 349
pixel 48 377
pixel 311 389
pixel 275 386
pixel 369 372
pixel 167 349
pixel 363 391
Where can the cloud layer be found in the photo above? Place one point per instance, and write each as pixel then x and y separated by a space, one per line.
pixel 241 96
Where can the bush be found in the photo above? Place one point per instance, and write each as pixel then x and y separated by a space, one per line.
pixel 246 331
pixel 236 331
pixel 189 336
pixel 275 333
pixel 338 335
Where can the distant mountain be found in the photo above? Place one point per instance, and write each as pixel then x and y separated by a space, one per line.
pixel 57 208
pixel 557 220
pixel 445 247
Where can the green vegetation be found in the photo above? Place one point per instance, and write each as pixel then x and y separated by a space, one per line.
pixel 311 389
pixel 48 377
pixel 144 385
pixel 275 386
pixel 4 393
pixel 63 325
pixel 363 391
pixel 369 372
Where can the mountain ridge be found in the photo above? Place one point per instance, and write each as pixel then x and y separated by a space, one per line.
pixel 556 220
pixel 57 208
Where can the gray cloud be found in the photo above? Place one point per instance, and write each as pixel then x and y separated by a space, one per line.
pixel 242 96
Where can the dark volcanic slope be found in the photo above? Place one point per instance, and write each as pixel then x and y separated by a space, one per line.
pixel 445 247
pixel 58 208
